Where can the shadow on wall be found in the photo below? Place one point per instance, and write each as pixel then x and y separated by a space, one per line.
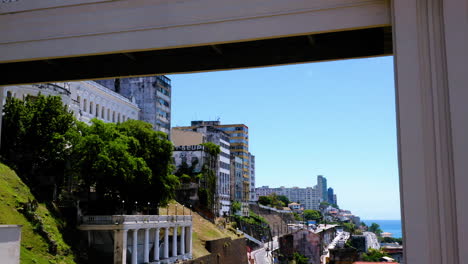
pixel 224 251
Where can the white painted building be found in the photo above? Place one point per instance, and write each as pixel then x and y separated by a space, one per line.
pixel 92 100
pixel 87 99
pixel 223 170
pixel 309 197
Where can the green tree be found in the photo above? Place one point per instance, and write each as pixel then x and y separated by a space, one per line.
pixel 127 161
pixel 284 199
pixel 264 200
pixel 349 227
pixel 36 135
pixel 299 258
pixel 156 150
pixel 276 202
pixel 311 214
pixel 236 206
pixel 374 255
pixel 375 228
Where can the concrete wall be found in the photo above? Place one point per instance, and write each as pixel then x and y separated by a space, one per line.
pixel 224 251
pixel 104 26
pixel 10 238
pixel 186 138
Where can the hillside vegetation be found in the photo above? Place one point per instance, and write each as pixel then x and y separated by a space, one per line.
pixel 41 240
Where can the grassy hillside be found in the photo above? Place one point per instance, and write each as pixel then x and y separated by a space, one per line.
pixel 41 240
pixel 203 230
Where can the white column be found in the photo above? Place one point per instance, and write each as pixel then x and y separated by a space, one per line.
pixel 166 243
pixel 182 240
pixel 146 247
pixel 156 245
pixel 135 247
pixel 120 246
pixel 431 74
pixel 174 242
pixel 189 241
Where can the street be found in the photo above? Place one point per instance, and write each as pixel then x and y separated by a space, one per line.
pixel 262 255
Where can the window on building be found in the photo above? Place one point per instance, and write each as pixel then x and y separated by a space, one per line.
pixel 91 107
pixel 9 94
pixel 85 105
pixel 108 114
pixel 97 110
pixel 113 116
pixel 103 111
pixel 78 99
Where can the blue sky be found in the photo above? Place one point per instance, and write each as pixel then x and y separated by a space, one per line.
pixel 335 118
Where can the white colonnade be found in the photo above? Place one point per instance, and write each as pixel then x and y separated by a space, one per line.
pixel 137 238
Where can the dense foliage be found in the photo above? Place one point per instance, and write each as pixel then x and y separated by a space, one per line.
pixel 36 135
pixel 273 200
pixel 236 206
pixel 374 255
pixel 299 258
pixel 312 214
pixel 128 161
pixel 375 228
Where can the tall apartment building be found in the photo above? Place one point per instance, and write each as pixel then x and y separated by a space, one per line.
pixel 322 187
pixel 330 195
pixel 202 134
pixel 152 94
pixel 253 195
pixel 239 147
pixel 309 196
pixel 237 185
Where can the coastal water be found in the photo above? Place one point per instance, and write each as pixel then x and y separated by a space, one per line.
pixel 390 226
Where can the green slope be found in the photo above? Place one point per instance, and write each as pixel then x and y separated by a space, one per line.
pixel 41 240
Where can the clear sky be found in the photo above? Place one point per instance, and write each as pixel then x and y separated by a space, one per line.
pixel 335 119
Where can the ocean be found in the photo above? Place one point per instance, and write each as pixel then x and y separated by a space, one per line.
pixel 391 226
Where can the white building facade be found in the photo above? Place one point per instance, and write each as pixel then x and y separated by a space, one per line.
pixel 309 197
pixel 87 99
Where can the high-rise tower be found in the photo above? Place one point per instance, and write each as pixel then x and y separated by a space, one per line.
pixel 322 187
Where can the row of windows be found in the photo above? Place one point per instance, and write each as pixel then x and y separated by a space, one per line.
pixel 239 147
pixel 225 155
pixel 162 124
pixel 163 113
pixel 241 128
pixel 163 102
pixel 221 144
pixel 224 165
pixel 239 141
pixel 239 135
pixel 100 111
pixel 164 91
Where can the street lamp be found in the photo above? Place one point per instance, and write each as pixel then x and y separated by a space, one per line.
pixel 147 209
pixel 136 207
pixel 123 206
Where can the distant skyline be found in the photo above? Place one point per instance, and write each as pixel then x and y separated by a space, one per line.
pixel 335 119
